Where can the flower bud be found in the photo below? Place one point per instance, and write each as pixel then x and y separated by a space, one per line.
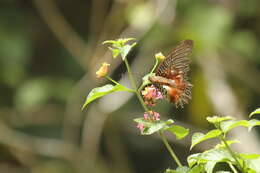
pixel 103 70
pixel 160 56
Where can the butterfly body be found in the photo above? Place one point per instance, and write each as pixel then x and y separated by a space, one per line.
pixel 171 75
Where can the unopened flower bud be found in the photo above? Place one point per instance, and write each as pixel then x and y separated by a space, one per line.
pixel 103 70
pixel 160 56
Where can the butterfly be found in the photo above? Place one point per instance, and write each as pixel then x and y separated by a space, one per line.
pixel 171 77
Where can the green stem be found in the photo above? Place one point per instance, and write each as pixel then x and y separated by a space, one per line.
pixel 115 82
pixel 232 167
pixel 232 154
pixel 112 80
pixel 131 77
pixel 175 158
pixel 155 65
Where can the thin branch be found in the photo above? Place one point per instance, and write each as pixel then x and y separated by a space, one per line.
pixel 62 29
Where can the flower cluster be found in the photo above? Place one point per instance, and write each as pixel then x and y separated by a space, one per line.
pixel 149 116
pixel 151 94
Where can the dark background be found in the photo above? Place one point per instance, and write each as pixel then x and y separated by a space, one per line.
pixel 51 49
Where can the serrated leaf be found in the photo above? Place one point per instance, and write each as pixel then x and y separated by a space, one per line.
pixel 217 155
pixel 229 125
pixel 257 111
pixel 210 158
pixel 102 91
pixel 200 137
pixel 179 131
pixel 218 119
pixel 252 123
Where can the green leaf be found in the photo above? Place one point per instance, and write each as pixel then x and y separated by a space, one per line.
pixel 252 123
pixel 109 42
pixel 257 111
pixel 209 166
pixel 125 50
pixel 253 164
pixel 119 46
pixel 249 156
pixel 229 125
pixel 153 126
pixel 210 158
pixel 217 155
pixel 197 169
pixel 179 131
pixel 218 119
pixel 104 90
pixel 115 52
pixel 222 145
pixel 200 137
pixel 193 159
pixel 182 169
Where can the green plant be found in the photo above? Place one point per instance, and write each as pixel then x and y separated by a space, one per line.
pixel 151 122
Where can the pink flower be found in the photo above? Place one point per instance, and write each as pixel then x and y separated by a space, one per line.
pixel 140 126
pixel 151 116
pixel 151 94
pixel 156 116
pixel 146 116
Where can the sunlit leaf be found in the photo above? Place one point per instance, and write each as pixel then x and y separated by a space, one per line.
pixel 193 159
pixel 253 164
pixel 218 119
pixel 115 52
pixel 209 166
pixel 102 91
pixel 252 123
pixel 257 111
pixel 210 158
pixel 200 137
pixel 179 131
pixel 229 125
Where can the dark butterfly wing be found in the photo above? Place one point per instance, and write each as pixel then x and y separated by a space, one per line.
pixel 175 67
pixel 176 61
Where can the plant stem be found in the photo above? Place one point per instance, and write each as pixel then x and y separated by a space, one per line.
pixel 232 167
pixel 112 80
pixel 115 82
pixel 232 154
pixel 175 158
pixel 155 65
pixel 131 77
